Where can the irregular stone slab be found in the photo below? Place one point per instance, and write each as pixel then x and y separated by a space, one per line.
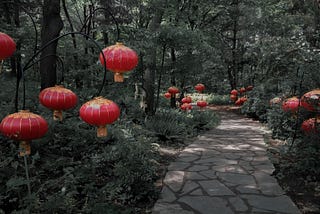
pixel 198 168
pixel 238 204
pixel 267 184
pixel 189 158
pixel 214 188
pixel 206 205
pixel 194 176
pixel 177 166
pixel 217 161
pixel 174 179
pixel 230 168
pixel 248 189
pixel 165 208
pixel 236 178
pixel 188 187
pixel 276 204
pixel 209 174
pixel 167 195
pixel 267 168
pixel 197 192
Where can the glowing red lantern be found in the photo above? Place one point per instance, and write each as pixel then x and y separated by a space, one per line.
pixel 310 126
pixel 241 101
pixel 7 46
pixel 186 99
pixel 199 87
pixel 234 92
pixel 242 90
pixel 167 95
pixel 100 112
pixel 202 103
pixel 291 104
pixel 233 97
pixel 311 100
pixel 173 91
pixel 186 106
pixel 249 88
pixel 24 126
pixel 58 99
pixel 119 59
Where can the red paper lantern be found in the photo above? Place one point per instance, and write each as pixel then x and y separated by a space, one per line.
pixel 291 104
pixel 242 90
pixel 167 95
pixel 7 46
pixel 233 97
pixel 24 126
pixel 100 112
pixel 249 88
pixel 310 126
pixel 173 91
pixel 119 59
pixel 199 87
pixel 186 106
pixel 311 100
pixel 241 101
pixel 202 103
pixel 234 92
pixel 186 99
pixel 58 99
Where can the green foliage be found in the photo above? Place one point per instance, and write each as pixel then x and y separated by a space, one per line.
pixel 203 120
pixel 216 99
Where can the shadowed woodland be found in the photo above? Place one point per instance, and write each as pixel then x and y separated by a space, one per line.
pixel 168 68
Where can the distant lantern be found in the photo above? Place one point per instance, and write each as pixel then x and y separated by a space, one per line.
pixel 167 95
pixel 202 103
pixel 186 99
pixel 199 87
pixel 100 112
pixel 291 104
pixel 58 99
pixel 233 97
pixel 24 126
pixel 242 90
pixel 119 59
pixel 7 46
pixel 240 101
pixel 311 100
pixel 234 92
pixel 249 88
pixel 186 106
pixel 173 91
pixel 311 126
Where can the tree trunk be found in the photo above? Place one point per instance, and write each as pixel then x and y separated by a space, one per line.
pixel 151 54
pixel 51 27
pixel 173 78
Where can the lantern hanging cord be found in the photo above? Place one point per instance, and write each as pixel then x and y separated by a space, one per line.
pixel 60 61
pixel 27 65
pixel 110 13
pixel 32 20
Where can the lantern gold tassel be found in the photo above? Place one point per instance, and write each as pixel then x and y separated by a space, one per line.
pixel 102 131
pixel 118 77
pixel 25 148
pixel 57 115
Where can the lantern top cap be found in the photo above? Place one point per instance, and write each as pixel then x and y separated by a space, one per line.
pixel 24 111
pixel 119 43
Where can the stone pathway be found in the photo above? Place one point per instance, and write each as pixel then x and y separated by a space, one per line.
pixel 226 170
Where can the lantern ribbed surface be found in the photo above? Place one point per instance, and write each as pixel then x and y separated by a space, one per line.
pixel 291 104
pixel 119 59
pixel 199 87
pixel 7 46
pixel 186 106
pixel 311 100
pixel 234 92
pixel 310 126
pixel 202 103
pixel 100 112
pixel 173 90
pixel 24 126
pixel 167 95
pixel 58 98
pixel 186 99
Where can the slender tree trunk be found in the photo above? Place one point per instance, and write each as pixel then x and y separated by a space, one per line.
pixel 173 77
pixel 151 54
pixel 70 23
pixel 51 27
